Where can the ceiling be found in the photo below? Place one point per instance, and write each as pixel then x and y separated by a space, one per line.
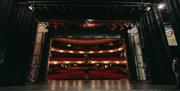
pixel 85 9
pixel 89 28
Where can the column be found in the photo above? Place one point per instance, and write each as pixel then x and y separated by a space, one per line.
pixel 130 56
pixel 38 55
pixel 138 57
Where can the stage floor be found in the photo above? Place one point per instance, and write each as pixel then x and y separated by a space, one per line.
pixel 91 85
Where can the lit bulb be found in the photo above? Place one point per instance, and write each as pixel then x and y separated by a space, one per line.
pixel 31 7
pixel 161 6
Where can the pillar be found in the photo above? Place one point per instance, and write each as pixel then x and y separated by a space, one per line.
pixel 130 56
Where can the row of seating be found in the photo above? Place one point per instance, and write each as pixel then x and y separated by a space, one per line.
pixel 86 74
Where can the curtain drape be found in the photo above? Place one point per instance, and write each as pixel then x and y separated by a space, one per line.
pixel 156 50
pixel 5 11
pixel 19 30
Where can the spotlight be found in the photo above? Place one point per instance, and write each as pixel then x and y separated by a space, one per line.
pixel 31 7
pixel 147 8
pixel 161 6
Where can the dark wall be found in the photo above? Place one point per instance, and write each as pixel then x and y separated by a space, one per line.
pixel 17 34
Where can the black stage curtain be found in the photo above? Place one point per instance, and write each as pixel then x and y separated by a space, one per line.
pixel 19 32
pixel 130 56
pixel 5 11
pixel 156 49
pixel 174 14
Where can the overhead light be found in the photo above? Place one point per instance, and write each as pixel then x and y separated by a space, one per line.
pixel 106 62
pixel 52 49
pixel 80 62
pixel 61 50
pixel 32 7
pixel 91 52
pixel 55 62
pixel 71 51
pixel 100 52
pixel 68 45
pixel 124 62
pixel 67 62
pixel 111 50
pixel 89 20
pixel 81 52
pixel 117 62
pixel 147 8
pixel 161 6
pixel 120 49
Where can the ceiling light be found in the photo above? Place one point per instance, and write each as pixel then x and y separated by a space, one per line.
pixel 106 62
pixel 79 62
pixel 55 62
pixel 90 20
pixel 32 7
pixel 91 52
pixel 148 8
pixel 161 6
pixel 100 52
pixel 81 52
pixel 124 62
pixel 52 49
pixel 61 50
pixel 68 45
pixel 111 50
pixel 120 49
pixel 67 62
pixel 71 51
pixel 117 62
